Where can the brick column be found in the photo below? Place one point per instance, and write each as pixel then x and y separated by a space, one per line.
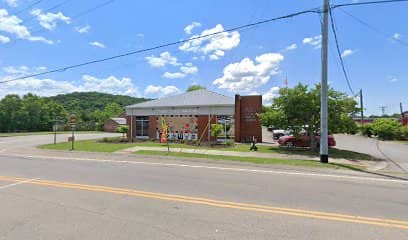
pixel 237 127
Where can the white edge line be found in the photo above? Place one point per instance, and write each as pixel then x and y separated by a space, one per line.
pixel 18 183
pixel 214 168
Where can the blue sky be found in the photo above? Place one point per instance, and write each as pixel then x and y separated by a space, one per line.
pixel 253 61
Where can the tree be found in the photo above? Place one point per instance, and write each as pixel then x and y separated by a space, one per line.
pixel 216 130
pixel 299 108
pixel 123 129
pixel 386 129
pixel 195 88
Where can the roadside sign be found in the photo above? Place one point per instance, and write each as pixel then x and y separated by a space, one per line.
pixel 73 119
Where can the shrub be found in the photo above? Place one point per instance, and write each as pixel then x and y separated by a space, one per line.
pixel 367 130
pixel 216 130
pixel 404 132
pixel 386 129
pixel 123 129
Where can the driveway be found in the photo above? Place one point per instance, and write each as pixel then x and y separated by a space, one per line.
pixel 396 154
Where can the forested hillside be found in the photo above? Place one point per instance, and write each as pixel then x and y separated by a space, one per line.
pixel 34 113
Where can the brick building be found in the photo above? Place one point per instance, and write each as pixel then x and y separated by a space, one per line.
pixel 189 117
pixel 112 124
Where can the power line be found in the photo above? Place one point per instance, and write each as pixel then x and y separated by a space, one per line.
pixel 364 23
pixel 333 27
pixel 47 10
pixel 81 14
pixel 28 7
pixel 366 3
pixel 62 69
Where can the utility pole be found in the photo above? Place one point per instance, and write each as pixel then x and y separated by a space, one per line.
pixel 324 145
pixel 362 107
pixel 402 110
pixel 383 109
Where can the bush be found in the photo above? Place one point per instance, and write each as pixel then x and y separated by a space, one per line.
pixel 386 129
pixel 123 129
pixel 216 130
pixel 367 130
pixel 404 132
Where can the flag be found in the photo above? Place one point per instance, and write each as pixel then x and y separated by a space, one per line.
pixel 163 138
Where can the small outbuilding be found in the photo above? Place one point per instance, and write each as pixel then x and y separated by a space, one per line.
pixel 188 116
pixel 112 124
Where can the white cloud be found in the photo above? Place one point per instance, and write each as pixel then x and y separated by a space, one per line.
pixel 49 87
pixel 189 68
pixel 186 69
pixel 174 75
pixel 97 44
pixel 189 28
pixel 161 91
pixel 267 98
pixel 291 47
pixel 83 29
pixel 392 79
pixel 111 84
pixel 141 35
pixel 161 61
pixel 13 25
pixel 397 36
pixel 12 3
pixel 4 39
pixel 347 52
pixel 315 41
pixel 246 75
pixel 49 20
pixel 215 45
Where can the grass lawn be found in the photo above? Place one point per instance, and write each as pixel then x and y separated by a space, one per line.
pixel 333 152
pixel 291 162
pixel 14 134
pixel 95 146
pixel 89 146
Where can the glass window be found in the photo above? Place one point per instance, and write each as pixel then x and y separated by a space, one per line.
pixel 142 126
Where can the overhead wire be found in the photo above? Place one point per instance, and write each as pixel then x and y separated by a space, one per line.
pixel 62 69
pixel 378 31
pixel 366 3
pixel 336 41
pixel 28 7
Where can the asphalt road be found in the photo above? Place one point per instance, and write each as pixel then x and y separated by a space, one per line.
pixel 147 198
pixel 395 153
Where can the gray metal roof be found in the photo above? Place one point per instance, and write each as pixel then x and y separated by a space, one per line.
pixel 201 97
pixel 120 121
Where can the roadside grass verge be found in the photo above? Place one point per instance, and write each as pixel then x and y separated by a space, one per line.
pixel 89 146
pixel 333 152
pixel 15 134
pixel 257 160
pixel 113 145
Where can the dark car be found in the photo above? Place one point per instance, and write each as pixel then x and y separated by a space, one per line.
pixel 303 141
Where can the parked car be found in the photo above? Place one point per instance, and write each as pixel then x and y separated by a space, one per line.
pixel 303 141
pixel 277 133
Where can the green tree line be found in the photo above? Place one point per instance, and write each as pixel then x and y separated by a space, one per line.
pixel 34 113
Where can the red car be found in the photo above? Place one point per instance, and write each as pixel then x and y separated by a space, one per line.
pixel 303 141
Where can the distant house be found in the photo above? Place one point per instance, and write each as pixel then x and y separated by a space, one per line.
pixel 366 120
pixel 112 124
pixel 404 120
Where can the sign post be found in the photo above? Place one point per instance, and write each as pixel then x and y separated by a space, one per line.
pixel 72 122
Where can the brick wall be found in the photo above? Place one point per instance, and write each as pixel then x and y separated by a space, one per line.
pixel 110 126
pixel 247 123
pixel 153 127
pixel 202 127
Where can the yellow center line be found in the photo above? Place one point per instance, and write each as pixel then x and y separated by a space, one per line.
pixel 217 203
